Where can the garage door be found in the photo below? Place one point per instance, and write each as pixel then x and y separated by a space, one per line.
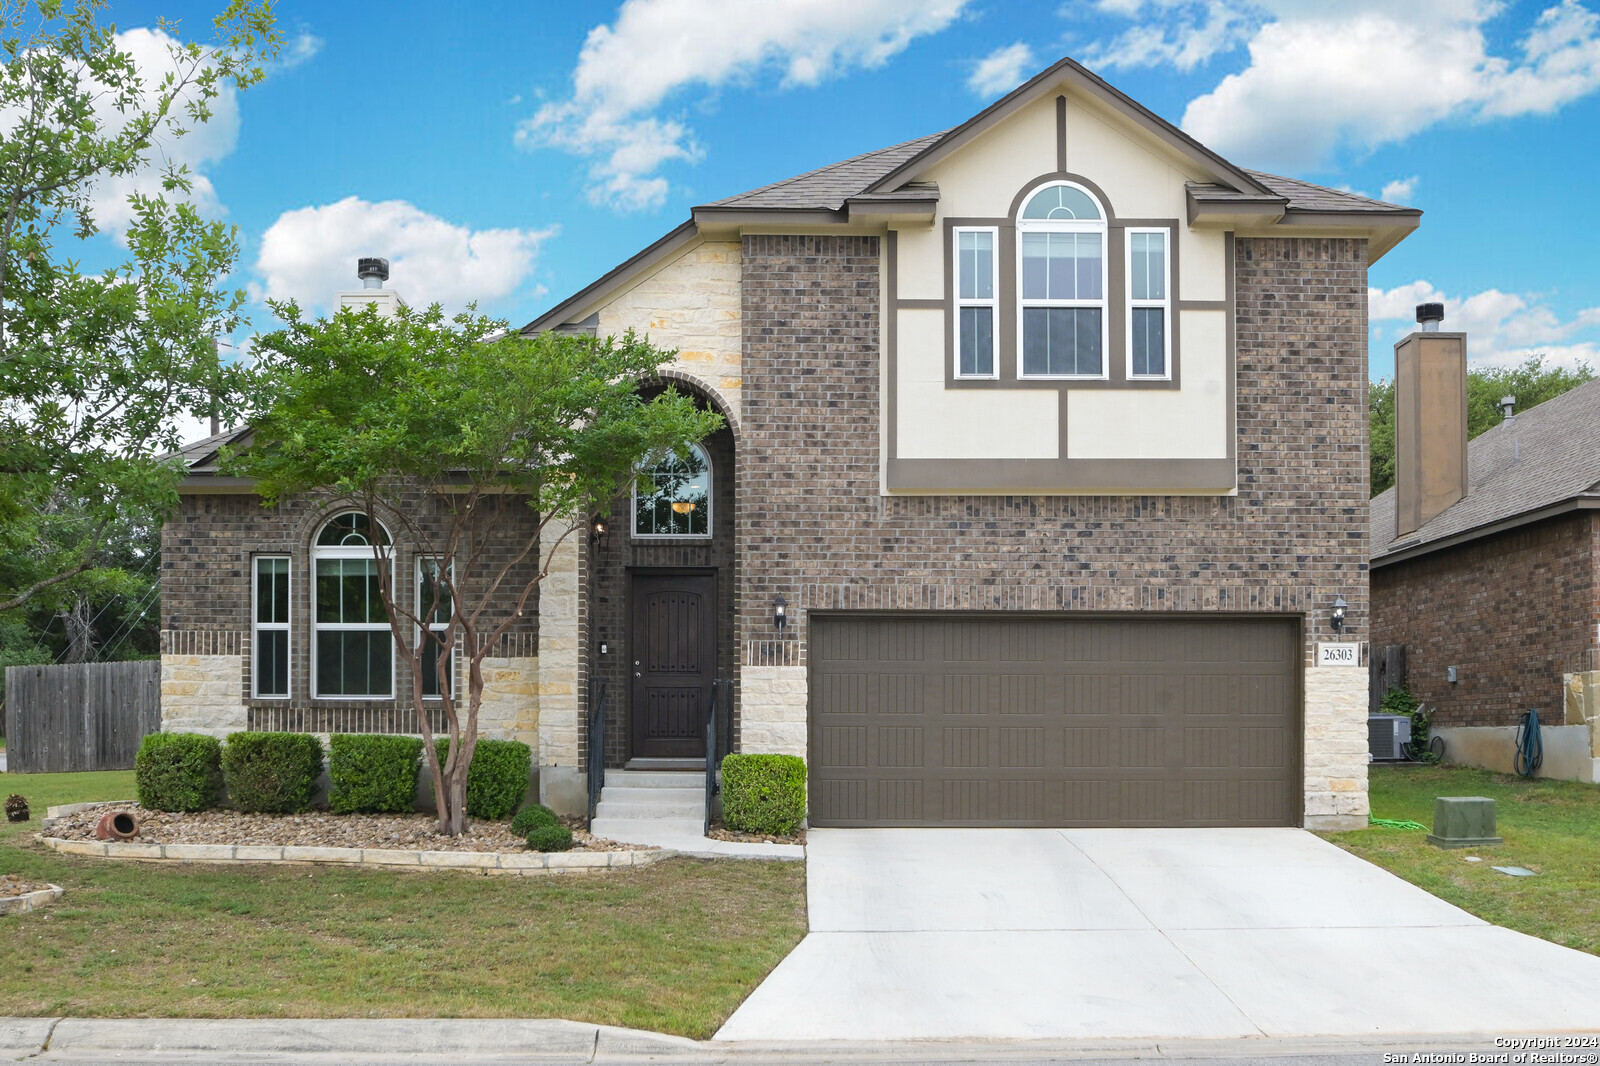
pixel 951 721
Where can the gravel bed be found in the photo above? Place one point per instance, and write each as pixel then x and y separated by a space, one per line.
pixel 318 829
pixel 722 832
pixel 12 885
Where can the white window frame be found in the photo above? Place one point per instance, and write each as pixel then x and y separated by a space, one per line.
pixel 992 303
pixel 257 627
pixel 422 605
pixel 1036 225
pixel 711 515
pixel 1168 325
pixel 354 551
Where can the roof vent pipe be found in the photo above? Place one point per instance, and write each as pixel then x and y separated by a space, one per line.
pixel 1508 407
pixel 373 272
pixel 1430 315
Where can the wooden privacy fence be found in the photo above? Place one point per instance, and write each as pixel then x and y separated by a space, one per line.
pixel 1386 665
pixel 89 716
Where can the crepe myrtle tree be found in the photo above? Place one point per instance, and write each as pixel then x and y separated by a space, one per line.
pixel 454 433
pixel 97 368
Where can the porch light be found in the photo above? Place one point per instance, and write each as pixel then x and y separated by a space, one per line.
pixel 597 526
pixel 1336 619
pixel 780 612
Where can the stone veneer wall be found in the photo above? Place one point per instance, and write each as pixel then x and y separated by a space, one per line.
pixel 1514 613
pixel 814 527
pixel 207 548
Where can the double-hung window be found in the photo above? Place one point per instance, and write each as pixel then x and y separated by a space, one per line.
pixel 270 628
pixel 977 287
pixel 1149 305
pixel 1061 253
pixel 354 649
pixel 434 684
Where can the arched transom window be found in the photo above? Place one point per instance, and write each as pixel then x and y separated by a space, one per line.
pixel 353 649
pixel 673 496
pixel 1061 253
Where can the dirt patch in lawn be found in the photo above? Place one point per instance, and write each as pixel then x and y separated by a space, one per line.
pixel 317 829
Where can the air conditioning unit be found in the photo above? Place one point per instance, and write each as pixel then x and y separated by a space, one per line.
pixel 1387 736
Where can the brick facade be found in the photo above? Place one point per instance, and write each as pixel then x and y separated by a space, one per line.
pixel 814 528
pixel 207 548
pixel 1512 612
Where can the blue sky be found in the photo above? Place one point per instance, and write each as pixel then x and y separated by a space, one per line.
pixel 511 153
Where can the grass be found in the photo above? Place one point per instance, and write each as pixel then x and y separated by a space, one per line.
pixel 1550 827
pixel 673 947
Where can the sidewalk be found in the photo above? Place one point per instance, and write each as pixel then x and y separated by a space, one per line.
pixel 489 1040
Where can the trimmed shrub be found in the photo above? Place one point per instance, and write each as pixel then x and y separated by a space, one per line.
pixel 498 777
pixel 373 773
pixel 763 793
pixel 550 838
pixel 178 771
pixel 271 773
pixel 530 818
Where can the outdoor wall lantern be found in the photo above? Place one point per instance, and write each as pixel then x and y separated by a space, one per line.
pixel 1337 617
pixel 780 612
pixel 597 527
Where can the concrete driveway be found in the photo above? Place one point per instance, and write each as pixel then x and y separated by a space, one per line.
pixel 1117 934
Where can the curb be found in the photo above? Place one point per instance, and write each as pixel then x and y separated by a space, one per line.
pixel 30 901
pixel 509 863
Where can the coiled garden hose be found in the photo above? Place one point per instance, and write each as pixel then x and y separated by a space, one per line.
pixel 1530 745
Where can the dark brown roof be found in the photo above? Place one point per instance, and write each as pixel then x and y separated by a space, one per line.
pixel 1546 457
pixel 200 457
pixel 827 187
pixel 1304 196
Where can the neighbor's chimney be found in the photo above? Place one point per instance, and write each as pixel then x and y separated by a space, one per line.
pixel 373 272
pixel 1430 415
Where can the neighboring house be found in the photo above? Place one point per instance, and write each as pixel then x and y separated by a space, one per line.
pixel 1045 465
pixel 1490 576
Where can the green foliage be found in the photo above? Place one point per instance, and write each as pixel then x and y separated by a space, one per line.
pixel 479 425
pixel 271 773
pixel 1532 383
pixel 372 772
pixel 1401 700
pixel 532 817
pixel 178 772
pixel 550 838
pixel 97 369
pixel 497 777
pixel 763 793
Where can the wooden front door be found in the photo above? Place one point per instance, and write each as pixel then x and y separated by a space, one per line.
pixel 674 657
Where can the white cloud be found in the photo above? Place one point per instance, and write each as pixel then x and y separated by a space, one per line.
pixel 310 254
pixel 1322 78
pixel 655 48
pixel 1502 328
pixel 302 48
pixel 1001 70
pixel 200 148
pixel 1400 190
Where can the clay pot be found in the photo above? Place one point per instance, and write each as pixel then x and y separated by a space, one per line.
pixel 117 825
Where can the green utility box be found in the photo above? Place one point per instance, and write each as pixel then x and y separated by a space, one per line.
pixel 1463 822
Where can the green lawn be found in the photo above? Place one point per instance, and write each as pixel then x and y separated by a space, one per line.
pixel 1552 827
pixel 673 947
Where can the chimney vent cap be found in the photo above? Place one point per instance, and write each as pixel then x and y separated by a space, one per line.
pixel 370 268
pixel 1430 313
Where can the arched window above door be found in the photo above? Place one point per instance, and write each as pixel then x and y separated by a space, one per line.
pixel 673 497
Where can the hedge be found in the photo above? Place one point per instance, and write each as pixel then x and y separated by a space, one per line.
pixel 271 773
pixel 763 793
pixel 178 772
pixel 373 773
pixel 530 818
pixel 498 777
pixel 550 838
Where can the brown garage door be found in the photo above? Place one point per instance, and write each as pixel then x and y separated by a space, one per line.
pixel 956 721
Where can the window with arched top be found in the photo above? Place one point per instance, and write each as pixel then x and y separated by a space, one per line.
pixel 1061 289
pixel 673 496
pixel 352 647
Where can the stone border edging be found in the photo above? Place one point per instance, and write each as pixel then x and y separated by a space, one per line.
pixel 513 863
pixel 29 901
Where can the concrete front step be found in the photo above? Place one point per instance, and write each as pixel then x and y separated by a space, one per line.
pixel 655 779
pixel 629 794
pixel 646 830
pixel 653 811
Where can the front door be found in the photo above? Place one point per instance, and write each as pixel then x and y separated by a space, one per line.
pixel 674 659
